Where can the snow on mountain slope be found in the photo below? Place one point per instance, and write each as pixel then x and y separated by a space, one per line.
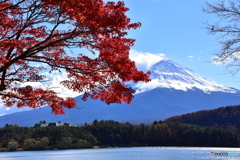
pixel 168 74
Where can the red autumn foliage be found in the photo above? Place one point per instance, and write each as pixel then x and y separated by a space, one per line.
pixel 41 31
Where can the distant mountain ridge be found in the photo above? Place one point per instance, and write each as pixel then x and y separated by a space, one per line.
pixel 174 90
pixel 223 117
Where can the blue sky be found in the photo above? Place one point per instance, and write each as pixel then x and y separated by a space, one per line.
pixel 176 29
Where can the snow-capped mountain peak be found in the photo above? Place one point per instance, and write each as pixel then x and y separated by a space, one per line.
pixel 168 74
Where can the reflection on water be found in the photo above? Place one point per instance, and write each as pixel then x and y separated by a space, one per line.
pixel 135 153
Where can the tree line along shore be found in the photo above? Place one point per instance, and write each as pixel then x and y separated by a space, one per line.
pixel 114 134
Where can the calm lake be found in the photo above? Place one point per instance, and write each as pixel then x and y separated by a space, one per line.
pixel 135 153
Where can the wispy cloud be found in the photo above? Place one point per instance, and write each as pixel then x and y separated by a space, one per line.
pixel 8 110
pixel 226 59
pixel 54 78
pixel 145 60
pixel 61 90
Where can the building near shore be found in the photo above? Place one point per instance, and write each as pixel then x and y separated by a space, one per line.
pixel 38 125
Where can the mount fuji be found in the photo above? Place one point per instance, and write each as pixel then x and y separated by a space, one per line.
pixel 173 90
pixel 168 74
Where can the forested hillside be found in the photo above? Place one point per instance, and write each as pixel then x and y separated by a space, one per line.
pixel 224 117
pixel 161 134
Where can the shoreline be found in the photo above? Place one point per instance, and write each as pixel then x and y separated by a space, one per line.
pixel 101 147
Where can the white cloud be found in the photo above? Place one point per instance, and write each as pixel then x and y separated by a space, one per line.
pixel 60 89
pixel 220 61
pixel 54 84
pixel 111 0
pixel 145 60
pixel 226 59
pixel 53 81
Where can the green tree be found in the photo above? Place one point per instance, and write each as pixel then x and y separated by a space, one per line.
pixel 82 143
pixel 13 145
pixel 43 142
pixel 92 139
pixel 30 144
pixel 65 143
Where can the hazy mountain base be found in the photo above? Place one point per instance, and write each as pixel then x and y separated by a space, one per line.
pixel 146 107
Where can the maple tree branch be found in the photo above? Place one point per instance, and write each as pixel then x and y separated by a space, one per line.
pixel 28 99
pixel 11 6
pixel 2 85
pixel 66 67
pixel 37 50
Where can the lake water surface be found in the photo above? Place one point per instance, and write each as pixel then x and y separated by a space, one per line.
pixel 135 153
